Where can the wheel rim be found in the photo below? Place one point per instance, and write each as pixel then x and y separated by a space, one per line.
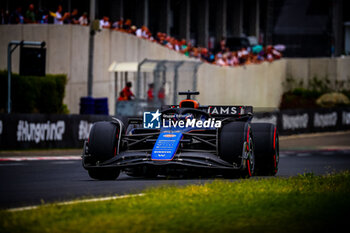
pixel 248 150
pixel 251 158
pixel 276 156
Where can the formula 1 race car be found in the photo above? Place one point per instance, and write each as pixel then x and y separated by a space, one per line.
pixel 183 140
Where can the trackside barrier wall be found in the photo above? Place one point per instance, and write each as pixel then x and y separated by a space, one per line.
pixel 27 131
pixel 307 121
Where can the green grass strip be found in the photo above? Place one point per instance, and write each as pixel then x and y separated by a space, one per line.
pixel 305 203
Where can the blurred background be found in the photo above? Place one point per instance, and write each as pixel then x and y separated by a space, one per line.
pixel 116 57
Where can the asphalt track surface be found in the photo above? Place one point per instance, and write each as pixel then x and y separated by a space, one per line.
pixel 27 182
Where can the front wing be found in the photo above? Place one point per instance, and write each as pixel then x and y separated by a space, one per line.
pixel 132 159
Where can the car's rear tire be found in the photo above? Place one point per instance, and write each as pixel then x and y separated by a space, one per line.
pixel 265 136
pixel 235 142
pixel 103 144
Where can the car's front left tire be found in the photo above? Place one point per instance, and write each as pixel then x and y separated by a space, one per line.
pixel 103 144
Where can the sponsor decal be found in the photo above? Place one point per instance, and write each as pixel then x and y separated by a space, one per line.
pixel 84 130
pixel 49 131
pixel 293 122
pixel 223 110
pixel 151 120
pixel 192 123
pixel 165 146
pixel 325 120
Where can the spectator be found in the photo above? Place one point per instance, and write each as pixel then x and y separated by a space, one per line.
pixel 17 17
pixel 221 46
pixel 121 96
pixel 127 91
pixel 176 45
pixel 150 91
pixel 205 55
pixel 230 59
pixel 118 25
pixel 104 23
pixel 170 42
pixel 260 56
pixel 275 53
pixel 235 59
pixel 43 16
pixel 272 54
pixel 83 20
pixel 242 55
pixel 184 47
pixel 219 60
pixel 133 30
pixel 250 59
pixel 269 57
pixel 141 32
pixel 161 94
pixel 195 53
pixel 58 19
pixel 30 15
pixel 74 17
pixel 149 35
pixel 127 26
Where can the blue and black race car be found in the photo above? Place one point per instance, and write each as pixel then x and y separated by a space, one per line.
pixel 183 140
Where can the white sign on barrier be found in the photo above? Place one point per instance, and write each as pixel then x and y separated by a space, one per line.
pixel 84 130
pixel 37 132
pixel 271 119
pixel 299 121
pixel 346 118
pixel 325 120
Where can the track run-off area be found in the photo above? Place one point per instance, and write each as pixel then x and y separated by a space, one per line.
pixel 30 178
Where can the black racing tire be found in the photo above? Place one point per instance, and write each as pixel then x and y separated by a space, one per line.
pixel 104 140
pixel 103 144
pixel 236 141
pixel 265 136
pixel 104 173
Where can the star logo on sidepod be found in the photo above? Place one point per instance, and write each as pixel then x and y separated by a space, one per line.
pixel 151 120
pixel 155 115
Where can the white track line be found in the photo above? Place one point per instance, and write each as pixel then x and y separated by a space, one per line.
pixel 76 202
pixel 303 154
pixel 11 164
pixel 38 158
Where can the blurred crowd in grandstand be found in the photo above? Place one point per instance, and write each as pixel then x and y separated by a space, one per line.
pixel 220 55
pixel 38 16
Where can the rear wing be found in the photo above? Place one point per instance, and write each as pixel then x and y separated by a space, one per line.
pixel 221 110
